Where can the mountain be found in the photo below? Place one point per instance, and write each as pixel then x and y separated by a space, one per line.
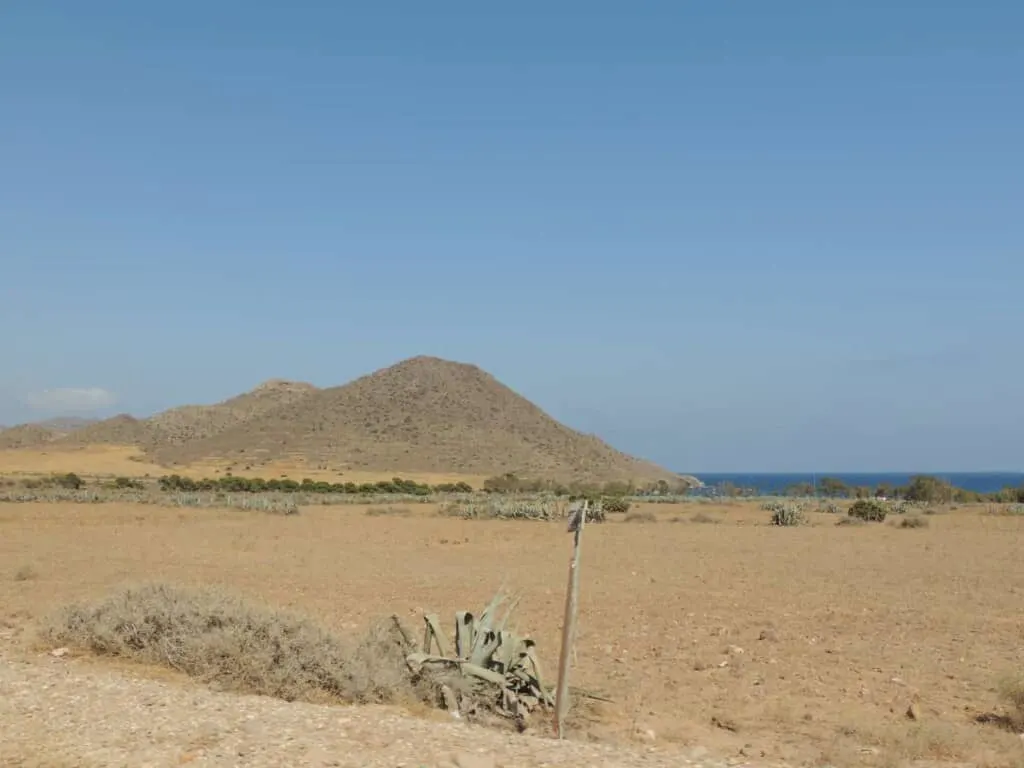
pixel 424 414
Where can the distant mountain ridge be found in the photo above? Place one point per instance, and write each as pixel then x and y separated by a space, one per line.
pixel 424 414
pixel 39 432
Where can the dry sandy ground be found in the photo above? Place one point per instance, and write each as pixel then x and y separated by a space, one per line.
pixel 118 460
pixel 802 646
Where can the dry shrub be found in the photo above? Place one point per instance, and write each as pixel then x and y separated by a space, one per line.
pixel 26 573
pixel 222 640
pixel 640 517
pixel 388 512
pixel 700 517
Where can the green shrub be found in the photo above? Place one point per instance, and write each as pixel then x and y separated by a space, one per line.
pixel 616 505
pixel 787 515
pixel 869 510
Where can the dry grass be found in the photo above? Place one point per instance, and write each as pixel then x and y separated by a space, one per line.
pixel 839 630
pixel 700 517
pixel 1011 691
pixel 645 516
pixel 388 512
pixel 222 640
pixel 851 521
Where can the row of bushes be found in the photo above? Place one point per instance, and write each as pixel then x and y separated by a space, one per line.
pixel 512 483
pixel 926 489
pixel 237 484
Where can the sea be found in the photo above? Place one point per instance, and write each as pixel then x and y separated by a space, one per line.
pixel 769 484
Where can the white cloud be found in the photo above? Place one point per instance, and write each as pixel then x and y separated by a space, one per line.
pixel 71 399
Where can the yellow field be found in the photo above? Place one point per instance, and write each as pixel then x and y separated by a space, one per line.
pixel 797 644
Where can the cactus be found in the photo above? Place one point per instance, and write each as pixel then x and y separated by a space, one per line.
pixel 487 667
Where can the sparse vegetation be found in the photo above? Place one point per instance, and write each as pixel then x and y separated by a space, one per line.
pixel 503 508
pixel 869 510
pixel 221 639
pixel 388 512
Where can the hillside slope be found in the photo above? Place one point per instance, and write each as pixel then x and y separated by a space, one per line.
pixel 421 415
pixel 189 423
pixel 186 423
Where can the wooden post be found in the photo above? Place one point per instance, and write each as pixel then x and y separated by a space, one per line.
pixel 576 522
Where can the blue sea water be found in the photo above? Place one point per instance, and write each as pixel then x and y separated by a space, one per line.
pixel 775 483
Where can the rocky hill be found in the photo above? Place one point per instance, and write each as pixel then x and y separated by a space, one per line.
pixel 424 414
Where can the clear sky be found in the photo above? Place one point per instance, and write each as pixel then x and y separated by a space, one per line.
pixel 726 236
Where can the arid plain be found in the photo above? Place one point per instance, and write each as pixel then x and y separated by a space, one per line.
pixel 805 645
pixel 702 624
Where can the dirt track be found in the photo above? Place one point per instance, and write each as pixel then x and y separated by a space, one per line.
pixel 58 713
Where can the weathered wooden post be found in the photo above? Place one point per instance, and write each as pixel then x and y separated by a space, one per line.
pixel 577 519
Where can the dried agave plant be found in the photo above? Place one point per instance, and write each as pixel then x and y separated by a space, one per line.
pixel 487 670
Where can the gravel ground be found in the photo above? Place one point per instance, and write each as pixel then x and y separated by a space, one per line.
pixel 59 712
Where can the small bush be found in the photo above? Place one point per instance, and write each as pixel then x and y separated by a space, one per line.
pixel 913 521
pixel 616 505
pixel 787 515
pixel 641 517
pixel 868 510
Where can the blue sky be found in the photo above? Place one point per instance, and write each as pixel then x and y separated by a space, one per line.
pixel 726 236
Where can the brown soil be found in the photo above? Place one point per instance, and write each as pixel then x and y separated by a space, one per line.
pixel 797 645
pixel 423 415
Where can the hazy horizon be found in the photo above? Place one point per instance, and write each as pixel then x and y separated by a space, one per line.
pixel 757 235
